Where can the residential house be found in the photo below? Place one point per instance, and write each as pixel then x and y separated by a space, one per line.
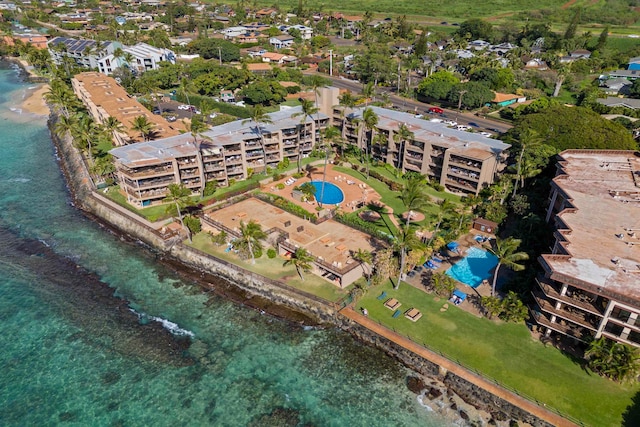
pixel 616 86
pixel 630 74
pixel 504 99
pixel 589 288
pixel 232 32
pixel 306 33
pixel 255 51
pixel 614 101
pixel 535 64
pixel 634 63
pixel 274 58
pixel 260 69
pixel 478 45
pixel 281 41
pixel 227 96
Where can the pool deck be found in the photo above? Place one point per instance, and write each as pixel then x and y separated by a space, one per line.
pixel 355 191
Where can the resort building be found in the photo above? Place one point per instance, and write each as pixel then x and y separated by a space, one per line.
pixel 100 55
pixel 331 244
pixel 223 154
pixel 461 161
pixel 590 282
pixel 105 98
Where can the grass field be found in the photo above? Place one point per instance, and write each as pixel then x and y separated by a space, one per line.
pixel 507 353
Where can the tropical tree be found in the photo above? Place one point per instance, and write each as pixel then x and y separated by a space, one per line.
pixel 178 198
pixel 370 121
pixel 348 101
pixel 406 240
pixel 85 134
pixel 144 126
pixel 65 125
pixel 506 252
pixel 61 97
pixel 250 235
pixel 401 136
pixel 385 266
pixel 617 361
pixel 529 139
pixel 308 189
pixel 307 112
pixel 365 258
pixel 445 207
pixel 442 284
pixel 259 116
pixel 414 197
pixel 301 259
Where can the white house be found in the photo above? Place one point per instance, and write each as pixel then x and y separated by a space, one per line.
pixel 281 41
pixel 233 32
pixel 143 57
pixel 305 32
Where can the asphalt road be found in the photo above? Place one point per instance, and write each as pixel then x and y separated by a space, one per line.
pixel 412 105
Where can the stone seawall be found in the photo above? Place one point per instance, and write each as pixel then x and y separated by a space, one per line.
pixel 81 187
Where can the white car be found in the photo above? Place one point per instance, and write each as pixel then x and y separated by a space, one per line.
pixel 183 107
pixel 463 127
pixel 436 120
pixel 450 123
pixel 487 134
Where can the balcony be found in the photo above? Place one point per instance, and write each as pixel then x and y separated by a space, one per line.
pixel 460 183
pixel 232 160
pixel 187 162
pixel 233 149
pixel 467 164
pixel 413 161
pixel 214 166
pixel 568 313
pixel 575 298
pixel 272 148
pixel 470 175
pixel 415 146
pixel 147 172
pixel 581 334
pixel 152 183
pixel 411 167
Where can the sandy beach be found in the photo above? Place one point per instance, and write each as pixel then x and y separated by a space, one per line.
pixel 34 101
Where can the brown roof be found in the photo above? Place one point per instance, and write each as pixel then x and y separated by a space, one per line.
pixel 107 94
pixel 262 66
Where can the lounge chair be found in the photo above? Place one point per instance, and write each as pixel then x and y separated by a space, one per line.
pixel 396 314
pixel 435 258
pixel 430 265
pixel 382 295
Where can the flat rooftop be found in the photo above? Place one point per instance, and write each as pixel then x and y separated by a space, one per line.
pixel 435 133
pixel 604 188
pixel 331 241
pixel 106 93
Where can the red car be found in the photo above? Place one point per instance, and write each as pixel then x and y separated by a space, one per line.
pixel 436 110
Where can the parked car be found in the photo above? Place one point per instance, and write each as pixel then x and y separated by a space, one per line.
pixel 183 107
pixel 418 116
pixel 435 110
pixel 474 124
pixel 450 123
pixel 463 127
pixel 171 118
pixel 487 134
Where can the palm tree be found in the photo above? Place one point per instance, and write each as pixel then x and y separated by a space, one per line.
pixel 368 91
pixel 113 126
pixel 414 197
pixel 185 87
pixel 86 133
pixel 370 120
pixel 445 208
pixel 365 258
pixel 301 259
pixel 179 198
pixel 250 234
pixel 529 138
pixel 505 251
pixel 405 241
pixel 259 116
pixel 144 126
pixel 65 124
pixel 617 361
pixel 61 97
pixel 308 110
pixel 402 135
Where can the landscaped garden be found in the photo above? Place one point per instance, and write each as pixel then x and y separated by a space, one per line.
pixel 505 352
pixel 273 268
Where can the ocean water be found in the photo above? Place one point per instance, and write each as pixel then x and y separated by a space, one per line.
pixel 72 353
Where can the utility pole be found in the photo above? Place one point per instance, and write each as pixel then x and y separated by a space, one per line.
pixel 399 62
pixel 331 62
pixel 220 54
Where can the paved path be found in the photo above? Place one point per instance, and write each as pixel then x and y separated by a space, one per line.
pixel 458 370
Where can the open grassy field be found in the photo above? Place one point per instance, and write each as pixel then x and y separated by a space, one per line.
pixel 441 9
pixel 507 353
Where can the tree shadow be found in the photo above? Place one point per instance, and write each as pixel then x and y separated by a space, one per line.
pixel 631 416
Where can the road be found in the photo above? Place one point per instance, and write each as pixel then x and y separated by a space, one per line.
pixel 412 105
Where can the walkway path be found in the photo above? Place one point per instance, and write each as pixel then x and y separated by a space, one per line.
pixel 458 370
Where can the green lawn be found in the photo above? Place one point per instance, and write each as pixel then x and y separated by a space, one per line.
pixel 507 353
pixel 274 269
pixel 391 199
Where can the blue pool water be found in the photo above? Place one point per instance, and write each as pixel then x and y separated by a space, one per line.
pixel 331 195
pixel 473 268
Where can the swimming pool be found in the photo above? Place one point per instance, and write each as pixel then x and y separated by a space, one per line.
pixel 331 195
pixel 473 268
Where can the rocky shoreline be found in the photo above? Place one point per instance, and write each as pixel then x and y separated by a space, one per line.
pixel 434 389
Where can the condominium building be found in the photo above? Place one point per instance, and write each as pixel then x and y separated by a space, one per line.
pixel 463 162
pixel 101 55
pixel 590 282
pixel 139 58
pixel 223 154
pixel 105 98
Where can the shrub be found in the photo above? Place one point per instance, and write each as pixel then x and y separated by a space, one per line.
pixel 298 175
pixel 280 186
pixel 209 188
pixel 193 224
pixel 271 253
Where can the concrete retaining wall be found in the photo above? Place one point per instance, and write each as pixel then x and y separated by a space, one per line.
pixel 82 189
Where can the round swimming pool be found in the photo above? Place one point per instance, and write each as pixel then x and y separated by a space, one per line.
pixel 330 195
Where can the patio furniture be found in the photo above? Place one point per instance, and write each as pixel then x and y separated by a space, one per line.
pixel 392 304
pixel 383 295
pixel 325 240
pixel 396 314
pixel 413 314
pixel 341 247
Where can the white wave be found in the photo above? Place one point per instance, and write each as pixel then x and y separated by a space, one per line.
pixel 44 243
pixel 19 179
pixel 32 87
pixel 422 401
pixel 167 324
pixel 16 110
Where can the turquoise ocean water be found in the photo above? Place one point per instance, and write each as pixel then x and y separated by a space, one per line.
pixel 72 354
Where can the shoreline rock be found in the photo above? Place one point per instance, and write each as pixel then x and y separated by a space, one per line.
pixel 453 398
